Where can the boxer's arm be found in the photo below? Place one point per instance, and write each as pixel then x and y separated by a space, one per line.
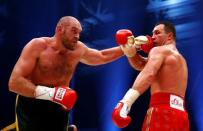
pixel 137 62
pixel 147 76
pixel 95 57
pixel 19 82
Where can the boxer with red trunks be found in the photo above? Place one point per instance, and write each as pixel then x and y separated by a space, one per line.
pixel 166 113
pixel 165 72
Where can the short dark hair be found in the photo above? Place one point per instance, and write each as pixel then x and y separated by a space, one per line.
pixel 168 27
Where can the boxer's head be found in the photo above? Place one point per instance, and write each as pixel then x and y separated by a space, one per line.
pixel 69 29
pixel 164 32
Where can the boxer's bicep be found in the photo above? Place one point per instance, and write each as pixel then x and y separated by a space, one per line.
pixel 26 61
pixel 154 63
pixel 25 65
pixel 148 74
pixel 92 57
pixel 19 81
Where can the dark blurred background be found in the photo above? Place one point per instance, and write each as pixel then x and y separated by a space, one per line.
pixel 100 88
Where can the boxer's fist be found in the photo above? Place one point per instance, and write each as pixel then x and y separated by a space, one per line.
pixel 128 50
pixel 148 46
pixel 145 43
pixel 64 96
pixel 119 115
pixel 122 36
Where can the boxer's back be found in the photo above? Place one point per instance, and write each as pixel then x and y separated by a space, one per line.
pixel 173 74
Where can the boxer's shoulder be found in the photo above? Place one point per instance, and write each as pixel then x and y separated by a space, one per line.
pixel 38 43
pixel 81 47
pixel 81 44
pixel 35 46
pixel 155 51
pixel 164 50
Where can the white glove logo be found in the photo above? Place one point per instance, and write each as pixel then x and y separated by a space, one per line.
pixel 60 93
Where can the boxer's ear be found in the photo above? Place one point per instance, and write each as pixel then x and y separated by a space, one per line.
pixel 58 29
pixel 170 36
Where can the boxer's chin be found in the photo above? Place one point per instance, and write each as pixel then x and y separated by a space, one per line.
pixel 71 46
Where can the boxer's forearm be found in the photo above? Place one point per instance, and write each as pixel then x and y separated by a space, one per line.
pixel 137 62
pixel 111 54
pixel 95 57
pixel 144 80
pixel 22 86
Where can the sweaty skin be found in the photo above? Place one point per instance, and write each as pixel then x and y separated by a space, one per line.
pixel 51 61
pixel 165 73
pixel 165 70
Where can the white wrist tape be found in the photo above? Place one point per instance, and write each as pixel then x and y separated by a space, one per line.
pixel 130 97
pixel 124 110
pixel 128 50
pixel 44 93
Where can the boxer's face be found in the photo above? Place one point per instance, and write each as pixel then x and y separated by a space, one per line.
pixel 71 34
pixel 160 37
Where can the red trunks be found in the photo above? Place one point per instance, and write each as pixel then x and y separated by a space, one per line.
pixel 166 113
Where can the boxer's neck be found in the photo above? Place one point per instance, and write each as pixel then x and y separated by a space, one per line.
pixel 57 45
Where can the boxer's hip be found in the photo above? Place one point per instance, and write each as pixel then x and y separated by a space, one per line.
pixel 33 114
pixel 166 112
pixel 167 100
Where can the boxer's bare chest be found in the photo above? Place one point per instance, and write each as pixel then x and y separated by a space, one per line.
pixel 54 64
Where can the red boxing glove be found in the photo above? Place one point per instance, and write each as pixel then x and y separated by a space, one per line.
pixel 148 46
pixel 122 36
pixel 119 115
pixel 65 97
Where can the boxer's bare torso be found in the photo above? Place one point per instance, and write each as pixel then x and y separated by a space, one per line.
pixel 165 72
pixel 172 75
pixel 46 62
pixel 165 69
pixel 55 67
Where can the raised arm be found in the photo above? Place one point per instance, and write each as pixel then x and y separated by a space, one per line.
pixel 19 82
pixel 96 57
pixel 130 44
pixel 142 83
pixel 137 61
pixel 149 72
